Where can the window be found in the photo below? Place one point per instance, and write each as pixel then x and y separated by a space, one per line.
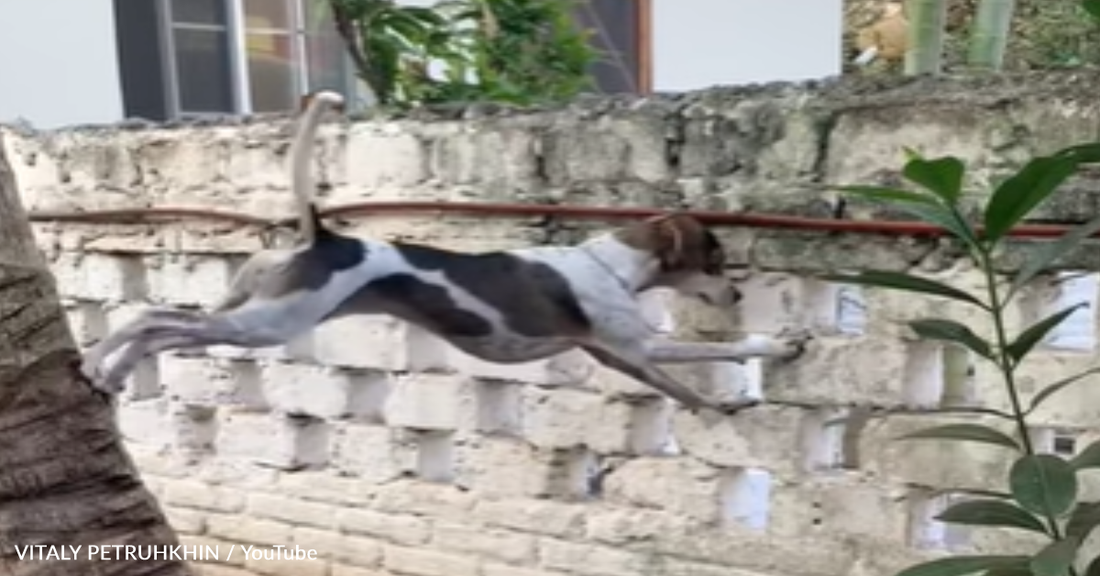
pixel 188 58
pixel 620 31
pixel 226 56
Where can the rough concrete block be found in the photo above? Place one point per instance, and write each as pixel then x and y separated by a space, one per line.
pixel 484 543
pixel 373 454
pixel 327 486
pixel 589 559
pixel 933 463
pixel 292 511
pixel 620 526
pixel 375 342
pixel 766 437
pixel 841 506
pixel 185 520
pixel 436 500
pixel 430 401
pixel 279 441
pixel 180 159
pixel 382 155
pixel 260 564
pixel 420 562
pixel 569 368
pixel 306 389
pixel 203 496
pixel 507 570
pixel 563 418
pixel 396 528
pixel 680 485
pixel 243 528
pixel 339 547
pixel 493 156
pixel 99 277
pixel 507 467
pixel 180 279
pixel 840 371
pixel 143 421
pixel 196 380
pixel 547 517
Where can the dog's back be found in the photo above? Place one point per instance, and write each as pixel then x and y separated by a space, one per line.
pixel 497 305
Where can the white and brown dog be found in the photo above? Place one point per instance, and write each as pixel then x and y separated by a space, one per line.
pixel 504 307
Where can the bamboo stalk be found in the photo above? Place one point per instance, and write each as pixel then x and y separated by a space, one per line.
pixel 927 19
pixel 990 36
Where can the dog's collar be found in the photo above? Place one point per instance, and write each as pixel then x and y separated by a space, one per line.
pixel 622 281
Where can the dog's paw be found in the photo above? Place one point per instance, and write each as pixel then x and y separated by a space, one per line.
pixel 90 370
pixel 793 343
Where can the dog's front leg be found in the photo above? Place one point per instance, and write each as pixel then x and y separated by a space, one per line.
pixel 757 346
pixel 636 365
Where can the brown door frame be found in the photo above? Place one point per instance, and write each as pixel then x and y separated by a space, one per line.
pixel 644 47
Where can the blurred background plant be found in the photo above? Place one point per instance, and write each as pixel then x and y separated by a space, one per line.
pixel 509 51
pixel 1043 34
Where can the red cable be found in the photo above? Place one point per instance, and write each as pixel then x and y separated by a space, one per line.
pixel 710 217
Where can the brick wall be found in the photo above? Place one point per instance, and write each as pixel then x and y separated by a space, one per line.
pixel 389 453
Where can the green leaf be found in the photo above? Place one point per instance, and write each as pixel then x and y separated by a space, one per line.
pixel 1057 387
pixel 951 331
pixel 1087 458
pixel 1092 7
pixel 964 432
pixel 1016 197
pixel 1085 517
pixel 1010 571
pixel 1056 558
pixel 991 513
pixel 1043 483
pixel 943 176
pixel 1035 334
pixel 902 281
pixel 1051 252
pixel 963 565
pixel 883 194
pixel 920 205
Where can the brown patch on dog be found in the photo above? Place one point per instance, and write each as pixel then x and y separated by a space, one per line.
pixel 679 242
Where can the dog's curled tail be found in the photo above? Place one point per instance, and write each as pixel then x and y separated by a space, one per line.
pixel 301 154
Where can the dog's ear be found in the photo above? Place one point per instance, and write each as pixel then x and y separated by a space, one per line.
pixel 669 241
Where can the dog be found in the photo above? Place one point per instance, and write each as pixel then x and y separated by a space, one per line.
pixel 504 307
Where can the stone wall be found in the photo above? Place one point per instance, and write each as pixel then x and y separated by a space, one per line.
pixel 389 453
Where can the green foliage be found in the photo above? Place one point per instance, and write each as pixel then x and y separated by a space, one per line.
pixel 509 51
pixel 1042 488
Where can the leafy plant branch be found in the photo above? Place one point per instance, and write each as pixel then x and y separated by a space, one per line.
pixel 1043 488
pixel 509 51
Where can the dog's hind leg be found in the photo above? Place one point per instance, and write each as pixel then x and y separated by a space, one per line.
pixel 94 358
pixel 151 337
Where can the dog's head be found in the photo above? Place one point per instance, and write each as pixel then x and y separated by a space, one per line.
pixel 689 258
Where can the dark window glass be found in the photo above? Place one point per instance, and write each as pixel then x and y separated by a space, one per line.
pixel 199 12
pixel 613 28
pixel 202 66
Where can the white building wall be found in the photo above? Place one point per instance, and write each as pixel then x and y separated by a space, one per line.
pixel 58 64
pixel 701 43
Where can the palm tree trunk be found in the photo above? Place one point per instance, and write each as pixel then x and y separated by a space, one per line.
pixel 65 479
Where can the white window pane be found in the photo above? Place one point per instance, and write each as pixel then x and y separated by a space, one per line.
pixel 271 72
pixel 199 12
pixel 267 14
pixel 202 70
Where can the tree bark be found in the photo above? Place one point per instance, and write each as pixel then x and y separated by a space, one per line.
pixel 65 478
